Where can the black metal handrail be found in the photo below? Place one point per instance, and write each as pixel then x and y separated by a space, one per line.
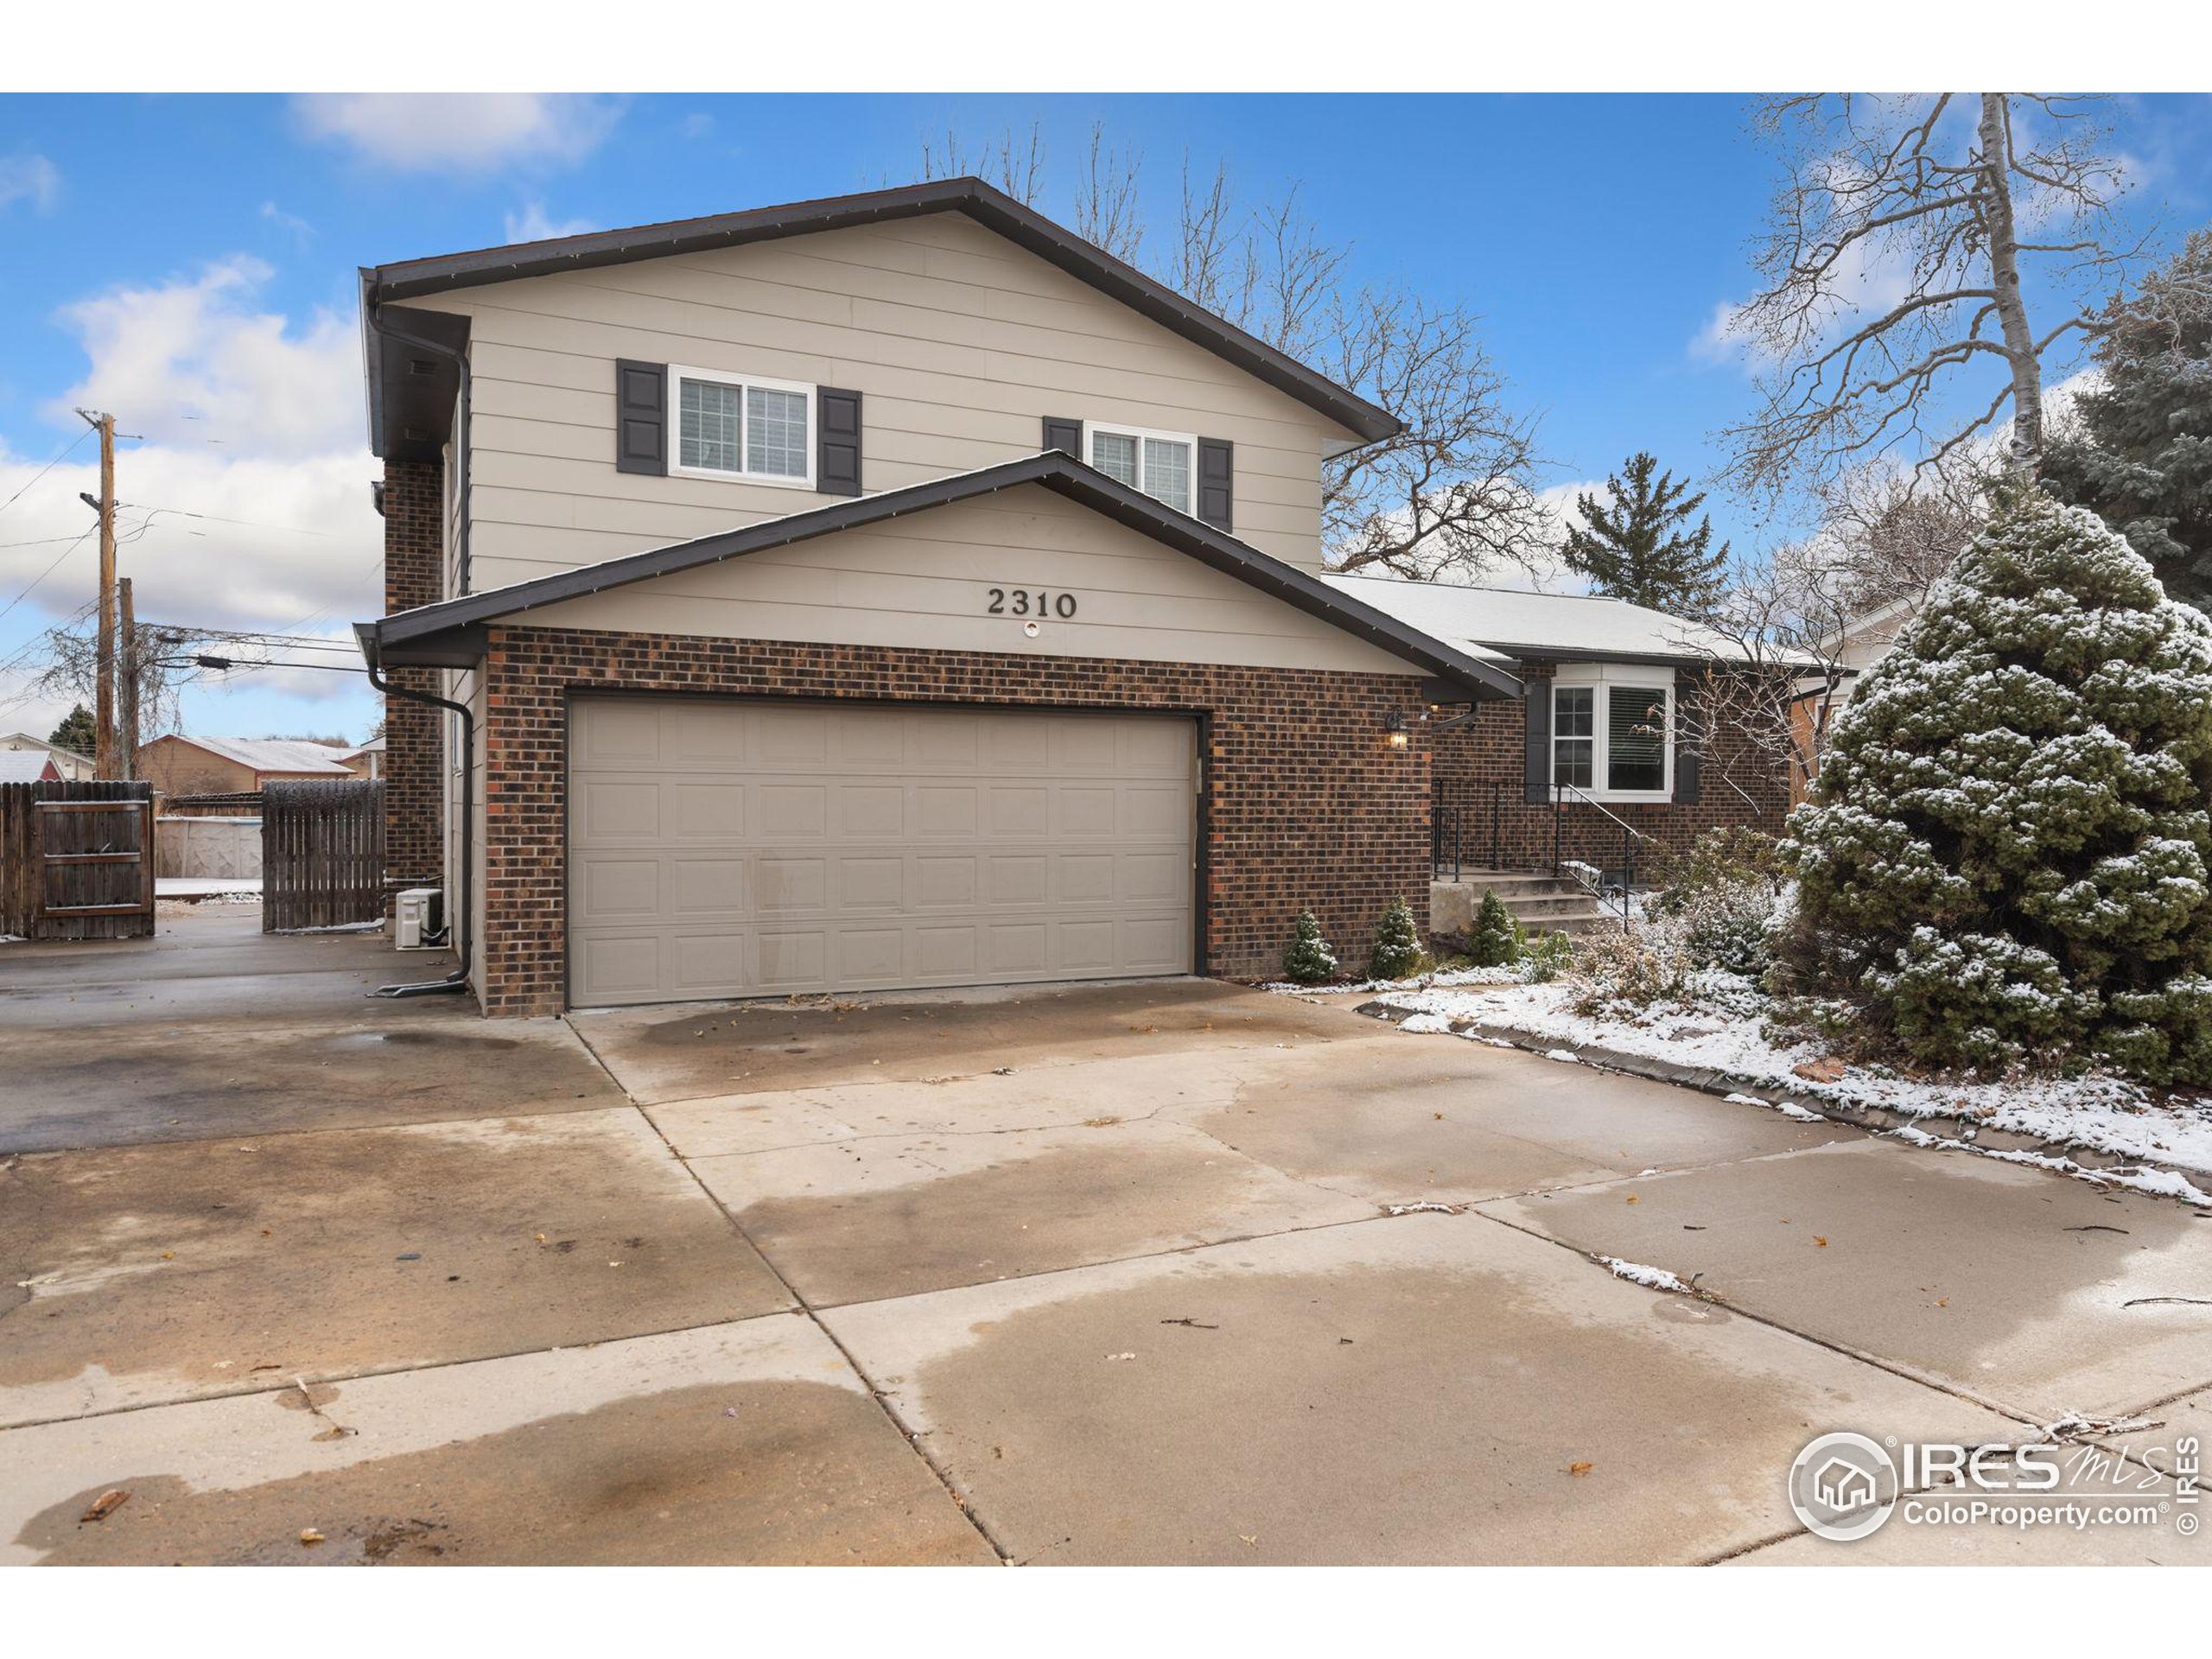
pixel 1630 838
pixel 1448 829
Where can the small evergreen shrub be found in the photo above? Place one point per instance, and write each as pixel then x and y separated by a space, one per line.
pixel 1398 953
pixel 1545 957
pixel 1309 961
pixel 1497 937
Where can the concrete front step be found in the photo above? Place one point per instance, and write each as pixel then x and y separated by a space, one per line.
pixel 1542 904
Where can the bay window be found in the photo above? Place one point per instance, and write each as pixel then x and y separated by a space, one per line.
pixel 742 428
pixel 1158 464
pixel 1612 732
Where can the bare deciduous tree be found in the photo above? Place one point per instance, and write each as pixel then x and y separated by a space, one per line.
pixel 1451 493
pixel 1893 310
pixel 1887 535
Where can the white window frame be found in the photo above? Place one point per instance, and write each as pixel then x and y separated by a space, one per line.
pixel 1116 429
pixel 677 374
pixel 1603 677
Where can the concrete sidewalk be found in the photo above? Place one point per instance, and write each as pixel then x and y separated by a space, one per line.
pixel 1101 1275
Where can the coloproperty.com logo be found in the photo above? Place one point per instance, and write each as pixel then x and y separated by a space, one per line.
pixel 1846 1486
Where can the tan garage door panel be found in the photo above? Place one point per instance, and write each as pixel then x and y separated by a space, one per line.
pixel 744 847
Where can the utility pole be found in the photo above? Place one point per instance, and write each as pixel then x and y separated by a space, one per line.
pixel 104 711
pixel 127 748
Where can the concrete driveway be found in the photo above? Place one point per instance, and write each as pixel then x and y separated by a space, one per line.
pixel 1091 1274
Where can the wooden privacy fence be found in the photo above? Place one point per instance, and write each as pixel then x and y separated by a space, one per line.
pixel 77 860
pixel 321 855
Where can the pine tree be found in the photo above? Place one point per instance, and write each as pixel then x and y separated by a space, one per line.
pixel 2140 455
pixel 76 732
pixel 1309 960
pixel 1495 943
pixel 1640 547
pixel 2008 856
pixel 1398 952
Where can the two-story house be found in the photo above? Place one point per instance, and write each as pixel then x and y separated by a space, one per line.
pixel 888 591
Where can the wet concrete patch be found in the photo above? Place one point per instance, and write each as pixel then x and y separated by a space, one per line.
pixel 1428 1390
pixel 878 1218
pixel 662 1055
pixel 1400 1118
pixel 161 1272
pixel 2023 1288
pixel 747 1442
pixel 740 1474
pixel 160 1077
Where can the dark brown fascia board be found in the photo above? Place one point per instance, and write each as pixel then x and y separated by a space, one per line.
pixel 1527 653
pixel 444 627
pixel 1022 226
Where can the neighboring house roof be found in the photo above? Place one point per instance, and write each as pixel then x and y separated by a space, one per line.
pixel 374 745
pixel 402 400
pixel 28 767
pixel 268 753
pixel 1511 624
pixel 449 631
pixel 20 739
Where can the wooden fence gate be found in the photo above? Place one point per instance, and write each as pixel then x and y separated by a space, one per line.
pixel 77 860
pixel 321 855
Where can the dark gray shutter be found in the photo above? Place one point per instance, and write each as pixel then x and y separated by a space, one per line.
pixel 1686 758
pixel 1064 434
pixel 1217 480
pixel 640 416
pixel 1537 774
pixel 838 446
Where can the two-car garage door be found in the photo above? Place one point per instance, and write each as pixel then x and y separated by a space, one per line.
pixel 736 848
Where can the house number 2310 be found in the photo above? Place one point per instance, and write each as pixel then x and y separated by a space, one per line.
pixel 1029 601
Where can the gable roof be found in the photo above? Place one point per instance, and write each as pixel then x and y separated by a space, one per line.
pixel 268 753
pixel 1023 225
pixel 449 633
pixel 1508 624
pixel 27 766
pixel 21 740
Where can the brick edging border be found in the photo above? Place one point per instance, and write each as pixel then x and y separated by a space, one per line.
pixel 1973 1133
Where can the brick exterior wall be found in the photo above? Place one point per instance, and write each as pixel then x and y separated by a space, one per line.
pixel 1491 747
pixel 414 793
pixel 1306 806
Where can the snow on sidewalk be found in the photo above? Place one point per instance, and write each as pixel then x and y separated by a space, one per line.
pixel 2102 1114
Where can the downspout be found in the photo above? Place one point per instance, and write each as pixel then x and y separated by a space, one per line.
pixel 458 980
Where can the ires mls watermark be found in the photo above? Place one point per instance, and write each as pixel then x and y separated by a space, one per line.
pixel 1846 1486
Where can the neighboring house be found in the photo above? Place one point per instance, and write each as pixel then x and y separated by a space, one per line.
pixel 28 767
pixel 888 591
pixel 68 763
pixel 1853 649
pixel 368 761
pixel 1608 734
pixel 232 766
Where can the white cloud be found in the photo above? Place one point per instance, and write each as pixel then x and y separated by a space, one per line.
pixel 459 132
pixel 29 178
pixel 193 362
pixel 300 229
pixel 534 224
pixel 248 505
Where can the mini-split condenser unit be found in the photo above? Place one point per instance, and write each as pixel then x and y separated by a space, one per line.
pixel 419 922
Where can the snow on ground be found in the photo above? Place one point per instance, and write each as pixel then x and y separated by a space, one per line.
pixel 1443 979
pixel 2102 1113
pixel 1637 1274
pixel 195 886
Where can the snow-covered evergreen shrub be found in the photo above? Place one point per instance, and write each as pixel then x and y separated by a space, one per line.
pixel 2005 857
pixel 1398 952
pixel 1496 940
pixel 1309 960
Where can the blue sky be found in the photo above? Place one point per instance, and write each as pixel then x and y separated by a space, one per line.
pixel 175 258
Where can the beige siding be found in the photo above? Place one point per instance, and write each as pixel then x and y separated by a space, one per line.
pixel 924 580
pixel 959 342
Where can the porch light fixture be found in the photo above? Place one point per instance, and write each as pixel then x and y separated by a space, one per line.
pixel 1394 730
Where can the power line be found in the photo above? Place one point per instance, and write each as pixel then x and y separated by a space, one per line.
pixel 65 451
pixel 49 571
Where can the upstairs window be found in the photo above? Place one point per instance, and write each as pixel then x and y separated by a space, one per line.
pixel 742 428
pixel 1612 732
pixel 1158 464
